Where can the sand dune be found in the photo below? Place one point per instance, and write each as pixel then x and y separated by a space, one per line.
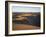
pixel 24 27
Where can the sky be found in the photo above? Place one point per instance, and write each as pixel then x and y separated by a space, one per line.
pixel 25 9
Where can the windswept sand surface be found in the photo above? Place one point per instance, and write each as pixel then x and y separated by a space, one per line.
pixel 24 27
